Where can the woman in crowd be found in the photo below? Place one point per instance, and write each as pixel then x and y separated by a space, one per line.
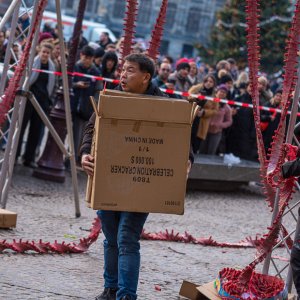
pixel 206 110
pixel 220 120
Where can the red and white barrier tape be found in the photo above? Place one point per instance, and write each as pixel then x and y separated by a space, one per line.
pixel 172 92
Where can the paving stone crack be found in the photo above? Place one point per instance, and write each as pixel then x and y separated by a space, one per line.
pixel 38 290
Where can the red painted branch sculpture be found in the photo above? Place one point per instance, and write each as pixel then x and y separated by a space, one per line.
pixel 129 26
pixel 157 32
pixel 246 284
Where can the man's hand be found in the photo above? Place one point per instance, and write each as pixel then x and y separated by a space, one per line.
pixel 189 166
pixel 87 163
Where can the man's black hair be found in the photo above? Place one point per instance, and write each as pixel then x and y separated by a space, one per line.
pixel 145 63
pixel 87 51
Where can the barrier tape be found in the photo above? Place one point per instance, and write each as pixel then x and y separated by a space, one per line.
pixel 172 92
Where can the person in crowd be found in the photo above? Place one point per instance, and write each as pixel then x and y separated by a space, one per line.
pixel 241 138
pixel 240 85
pixel 193 78
pixel 206 110
pixel 170 85
pixel 202 72
pixel 168 59
pixel 98 57
pixel 228 81
pixel 219 121
pixel 233 69
pixel 111 47
pixel 15 55
pixel 265 94
pixel 181 77
pixel 222 68
pixel 163 75
pixel 24 21
pixel 108 67
pixel 271 120
pixel 3 44
pixel 42 86
pixel 122 230
pixel 104 39
pixel 83 88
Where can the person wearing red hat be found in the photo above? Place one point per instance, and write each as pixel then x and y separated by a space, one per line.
pixel 183 83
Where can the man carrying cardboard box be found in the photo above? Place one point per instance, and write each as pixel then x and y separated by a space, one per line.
pixel 122 230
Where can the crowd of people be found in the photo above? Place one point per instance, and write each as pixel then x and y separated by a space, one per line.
pixel 217 129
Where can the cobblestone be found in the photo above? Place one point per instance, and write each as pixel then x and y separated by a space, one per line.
pixel 46 211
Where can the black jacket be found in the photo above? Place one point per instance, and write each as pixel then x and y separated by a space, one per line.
pixel 89 129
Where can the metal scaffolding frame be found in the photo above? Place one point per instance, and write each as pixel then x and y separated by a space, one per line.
pixel 15 120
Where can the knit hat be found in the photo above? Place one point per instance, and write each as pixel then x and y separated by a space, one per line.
pixel 183 65
pixel 45 36
pixel 222 87
pixel 181 60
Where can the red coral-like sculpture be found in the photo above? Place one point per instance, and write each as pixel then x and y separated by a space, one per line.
pixel 129 26
pixel 157 32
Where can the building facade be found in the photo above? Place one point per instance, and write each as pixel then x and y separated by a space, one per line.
pixel 188 21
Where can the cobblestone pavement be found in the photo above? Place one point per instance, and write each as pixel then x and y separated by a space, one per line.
pixel 46 211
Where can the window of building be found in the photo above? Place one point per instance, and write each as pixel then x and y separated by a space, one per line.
pixel 187 50
pixel 164 47
pixel 119 9
pixel 192 25
pixel 171 14
pixel 144 11
pixel 69 4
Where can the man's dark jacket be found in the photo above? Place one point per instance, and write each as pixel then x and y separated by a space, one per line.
pixel 89 129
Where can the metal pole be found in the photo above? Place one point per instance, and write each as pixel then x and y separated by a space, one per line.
pixel 8 13
pixel 68 109
pixel 15 126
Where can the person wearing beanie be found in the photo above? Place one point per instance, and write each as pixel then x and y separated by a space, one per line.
pixel 228 81
pixel 183 83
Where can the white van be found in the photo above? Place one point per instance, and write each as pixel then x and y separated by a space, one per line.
pixel 91 30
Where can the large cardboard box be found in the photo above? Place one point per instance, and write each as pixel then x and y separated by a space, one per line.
pixel 8 218
pixel 141 149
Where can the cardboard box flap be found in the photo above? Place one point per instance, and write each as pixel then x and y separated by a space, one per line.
pixel 203 292
pixel 151 109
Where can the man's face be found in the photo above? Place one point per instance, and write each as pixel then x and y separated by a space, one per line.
pixel 184 72
pixel 164 71
pixel 132 79
pixel 86 60
pixel 45 54
pixel 103 37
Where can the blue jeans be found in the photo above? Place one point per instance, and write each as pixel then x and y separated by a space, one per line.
pixel 122 231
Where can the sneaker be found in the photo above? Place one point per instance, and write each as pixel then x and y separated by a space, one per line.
pixel 108 294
